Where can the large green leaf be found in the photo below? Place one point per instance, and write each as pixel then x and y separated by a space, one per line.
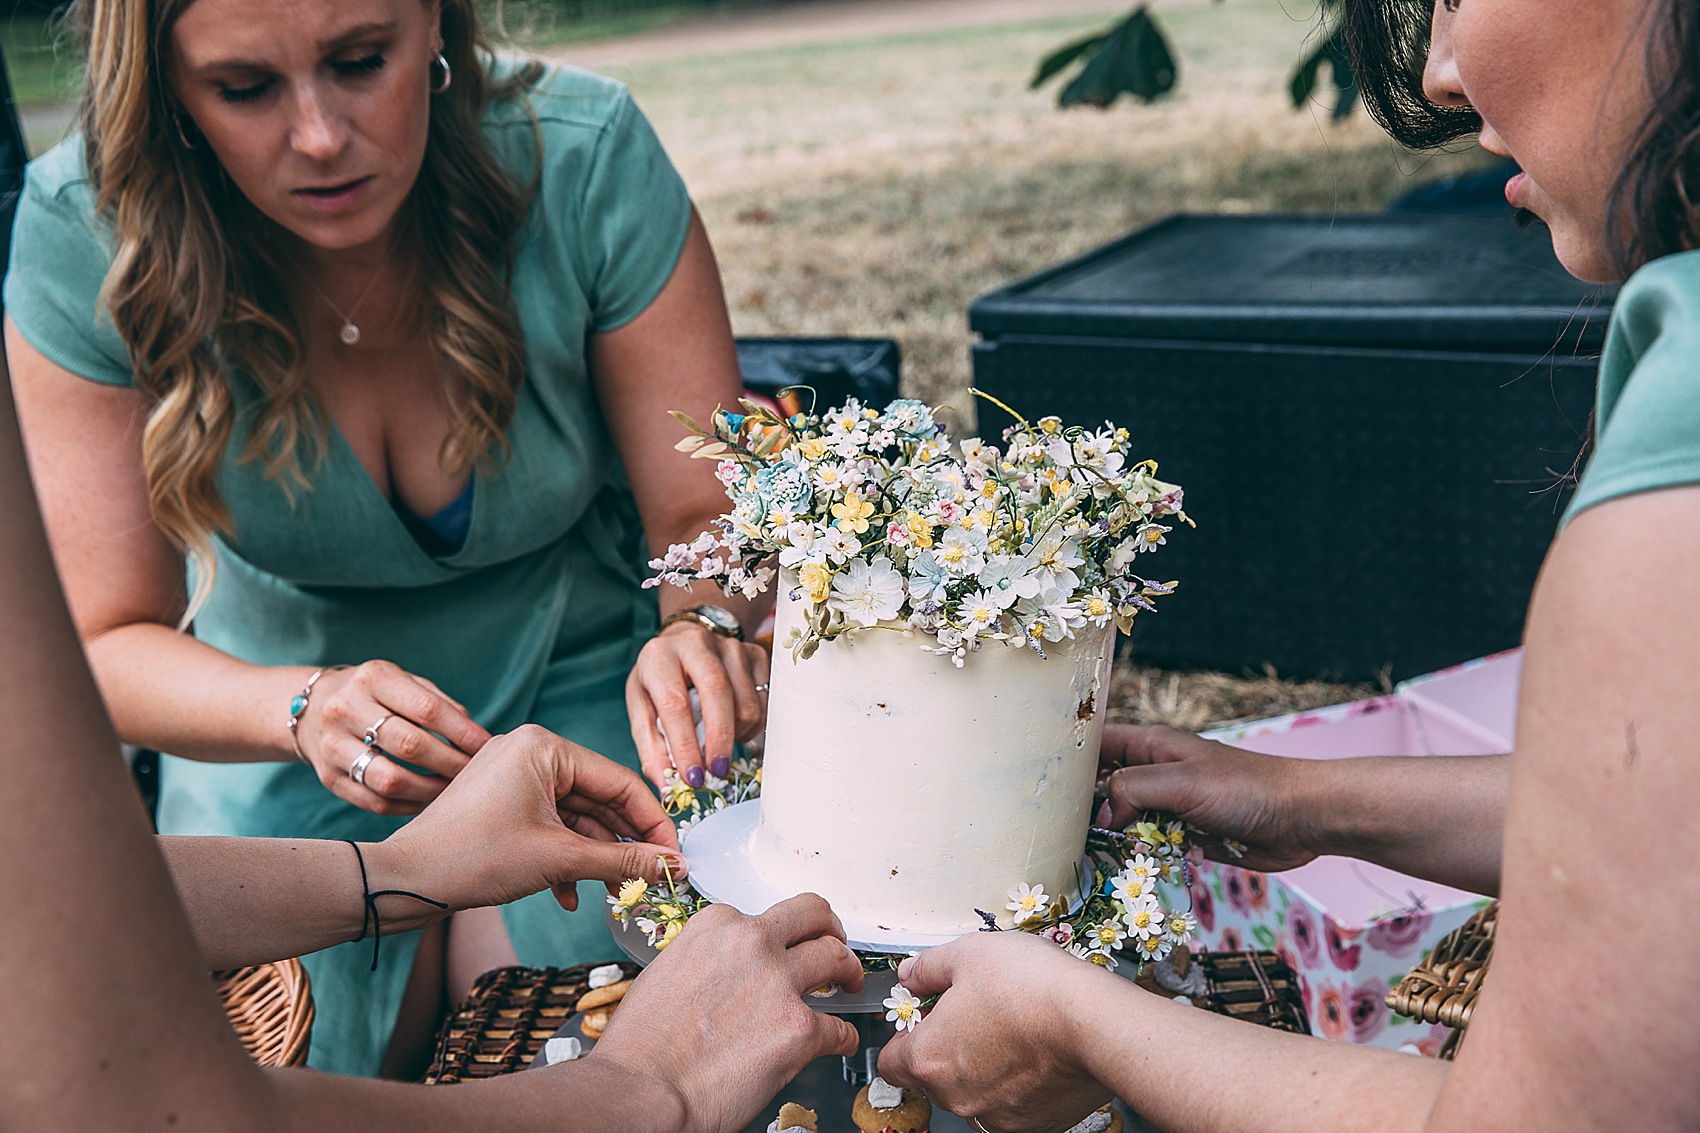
pixel 1307 75
pixel 1055 62
pixel 1132 58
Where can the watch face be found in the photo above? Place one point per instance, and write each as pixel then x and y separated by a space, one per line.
pixel 723 620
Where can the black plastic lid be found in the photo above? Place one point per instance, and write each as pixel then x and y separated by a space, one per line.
pixel 1447 280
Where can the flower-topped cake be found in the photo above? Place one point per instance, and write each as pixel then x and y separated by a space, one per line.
pixel 949 610
pixel 877 519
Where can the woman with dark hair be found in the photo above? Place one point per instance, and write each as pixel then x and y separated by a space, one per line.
pixel 1588 832
pixel 376 331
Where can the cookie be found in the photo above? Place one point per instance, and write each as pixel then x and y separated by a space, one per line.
pixel 593 1022
pixel 794 1116
pixel 602 996
pixel 883 1108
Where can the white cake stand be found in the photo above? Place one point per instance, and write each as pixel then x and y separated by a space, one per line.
pixel 718 849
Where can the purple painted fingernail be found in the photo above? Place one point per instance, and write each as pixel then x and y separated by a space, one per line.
pixel 693 776
pixel 720 767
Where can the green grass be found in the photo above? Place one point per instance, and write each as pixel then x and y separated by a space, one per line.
pixel 42 61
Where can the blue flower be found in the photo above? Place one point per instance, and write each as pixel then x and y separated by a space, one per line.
pixel 785 484
pixel 911 418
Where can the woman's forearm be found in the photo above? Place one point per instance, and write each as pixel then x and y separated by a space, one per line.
pixel 168 691
pixel 1436 817
pixel 1190 1071
pixel 251 900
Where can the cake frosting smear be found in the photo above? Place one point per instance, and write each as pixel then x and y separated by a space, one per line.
pixel 910 792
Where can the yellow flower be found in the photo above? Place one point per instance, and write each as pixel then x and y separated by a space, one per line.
pixel 679 796
pixel 920 531
pixel 631 892
pixel 986 517
pixel 1148 832
pixel 816 581
pixel 812 447
pixel 1050 426
pixel 852 514
pixel 1102 959
pixel 1177 835
pixel 668 933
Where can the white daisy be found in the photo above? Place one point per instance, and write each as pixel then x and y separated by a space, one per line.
pixel 1027 902
pixel 903 1007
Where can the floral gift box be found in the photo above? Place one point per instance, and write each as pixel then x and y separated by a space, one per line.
pixel 1349 929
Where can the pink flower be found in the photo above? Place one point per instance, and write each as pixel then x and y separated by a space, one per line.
pixel 1061 934
pixel 1343 948
pixel 1233 888
pixel 1331 1012
pixel 1368 1010
pixel 1204 908
pixel 1302 930
pixel 1257 890
pixel 1399 936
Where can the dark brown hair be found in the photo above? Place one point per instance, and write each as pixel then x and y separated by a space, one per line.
pixel 1655 206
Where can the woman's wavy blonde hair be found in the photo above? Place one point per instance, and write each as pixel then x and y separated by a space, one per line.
pixel 195 285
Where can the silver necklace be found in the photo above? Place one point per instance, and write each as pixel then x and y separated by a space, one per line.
pixel 350 333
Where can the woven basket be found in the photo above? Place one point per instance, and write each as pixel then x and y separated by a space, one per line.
pixel 271 1007
pixel 1257 987
pixel 508 1016
pixel 1443 988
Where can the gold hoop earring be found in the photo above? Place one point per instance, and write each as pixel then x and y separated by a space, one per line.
pixel 448 75
pixel 182 134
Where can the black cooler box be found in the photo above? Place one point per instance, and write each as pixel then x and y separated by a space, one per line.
pixel 1372 415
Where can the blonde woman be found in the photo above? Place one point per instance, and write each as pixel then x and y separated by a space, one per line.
pixel 374 333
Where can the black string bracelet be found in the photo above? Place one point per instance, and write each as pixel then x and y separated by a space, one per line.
pixel 370 919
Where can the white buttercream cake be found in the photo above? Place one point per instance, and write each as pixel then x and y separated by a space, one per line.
pixel 909 792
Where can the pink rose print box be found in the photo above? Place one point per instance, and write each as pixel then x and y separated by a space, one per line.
pixel 1349 929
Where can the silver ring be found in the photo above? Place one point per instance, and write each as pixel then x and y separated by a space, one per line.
pixel 763 688
pixel 357 769
pixel 371 736
pixel 975 1122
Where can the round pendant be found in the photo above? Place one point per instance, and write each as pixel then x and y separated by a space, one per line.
pixel 350 334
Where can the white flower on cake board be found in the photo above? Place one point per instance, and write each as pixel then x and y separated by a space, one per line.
pixel 1128 888
pixel 868 592
pixel 903 1007
pixel 1027 902
pixel 1180 926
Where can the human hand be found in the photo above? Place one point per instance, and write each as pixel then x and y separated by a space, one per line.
pixel 533 811
pixel 400 711
pixel 999 1046
pixel 724 673
pixel 1221 790
pixel 720 1014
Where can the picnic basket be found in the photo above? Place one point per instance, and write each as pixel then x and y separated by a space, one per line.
pixel 1443 988
pixel 271 1008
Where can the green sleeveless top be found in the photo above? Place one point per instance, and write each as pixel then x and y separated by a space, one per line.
pixel 537 617
pixel 1647 419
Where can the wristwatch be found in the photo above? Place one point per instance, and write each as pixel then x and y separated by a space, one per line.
pixel 714 618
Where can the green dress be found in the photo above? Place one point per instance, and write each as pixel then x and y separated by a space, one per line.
pixel 1647 420
pixel 538 617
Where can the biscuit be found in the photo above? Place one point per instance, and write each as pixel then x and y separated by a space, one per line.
pixel 912 1115
pixel 602 996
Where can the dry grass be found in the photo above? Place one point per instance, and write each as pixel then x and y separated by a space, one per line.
pixel 878 186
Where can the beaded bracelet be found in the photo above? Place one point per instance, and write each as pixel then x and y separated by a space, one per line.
pixel 298 707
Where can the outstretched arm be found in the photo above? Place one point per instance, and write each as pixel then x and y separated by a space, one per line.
pixel 1599 845
pixel 1439 817
pixel 145 1046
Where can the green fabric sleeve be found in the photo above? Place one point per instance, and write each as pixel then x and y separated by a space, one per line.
pixel 1647 420
pixel 59 263
pixel 632 219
